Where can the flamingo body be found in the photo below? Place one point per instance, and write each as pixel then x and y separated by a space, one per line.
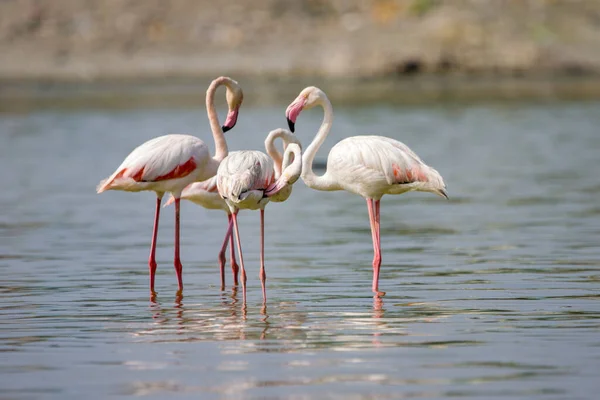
pixel 204 194
pixel 163 164
pixel 372 166
pixel 243 177
pixel 369 166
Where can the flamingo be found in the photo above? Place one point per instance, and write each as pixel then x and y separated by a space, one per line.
pixel 369 166
pixel 205 194
pixel 246 180
pixel 169 163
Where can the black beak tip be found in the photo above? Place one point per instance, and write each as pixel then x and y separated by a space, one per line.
pixel 225 128
pixel 291 125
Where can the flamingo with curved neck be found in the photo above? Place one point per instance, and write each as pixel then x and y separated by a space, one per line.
pixel 246 180
pixel 369 166
pixel 205 194
pixel 169 163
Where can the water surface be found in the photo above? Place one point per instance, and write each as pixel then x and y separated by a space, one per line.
pixel 493 294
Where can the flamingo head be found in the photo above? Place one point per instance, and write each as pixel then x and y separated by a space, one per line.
pixel 234 96
pixel 308 98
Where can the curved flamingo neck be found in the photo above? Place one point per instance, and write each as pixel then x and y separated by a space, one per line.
pixel 323 182
pixel 221 149
pixel 287 138
pixel 281 189
pixel 292 169
pixel 273 152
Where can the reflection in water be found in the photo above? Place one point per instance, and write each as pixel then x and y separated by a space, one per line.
pixel 378 314
pixel 490 295
pixel 226 321
pixel 378 307
pixel 289 328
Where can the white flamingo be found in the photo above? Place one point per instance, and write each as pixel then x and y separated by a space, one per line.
pixel 246 180
pixel 369 166
pixel 205 194
pixel 169 163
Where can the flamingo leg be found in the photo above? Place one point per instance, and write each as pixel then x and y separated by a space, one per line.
pixel 152 258
pixel 262 274
pixel 234 265
pixel 378 226
pixel 373 207
pixel 177 260
pixel 239 246
pixel 222 251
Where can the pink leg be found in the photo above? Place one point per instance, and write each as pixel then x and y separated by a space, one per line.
pixel 222 252
pixel 177 261
pixel 378 226
pixel 152 258
pixel 234 265
pixel 378 231
pixel 262 275
pixel 373 207
pixel 239 246
pixel 377 219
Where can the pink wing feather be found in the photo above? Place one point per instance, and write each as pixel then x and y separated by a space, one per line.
pixel 161 158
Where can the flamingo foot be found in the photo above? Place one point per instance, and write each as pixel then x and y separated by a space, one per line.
pixel 178 271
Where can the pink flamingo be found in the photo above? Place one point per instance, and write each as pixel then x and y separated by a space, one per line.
pixel 246 180
pixel 369 166
pixel 169 163
pixel 205 194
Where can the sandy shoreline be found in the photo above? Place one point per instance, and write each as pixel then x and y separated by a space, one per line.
pixel 76 41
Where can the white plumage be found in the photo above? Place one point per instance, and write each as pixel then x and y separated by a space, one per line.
pixel 163 164
pixel 206 194
pixel 169 163
pixel 369 166
pixel 372 166
pixel 243 177
pixel 247 180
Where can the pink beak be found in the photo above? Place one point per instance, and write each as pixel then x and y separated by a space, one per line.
pixel 293 111
pixel 231 119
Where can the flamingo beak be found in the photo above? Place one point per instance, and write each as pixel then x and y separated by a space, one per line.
pixel 231 120
pixel 293 111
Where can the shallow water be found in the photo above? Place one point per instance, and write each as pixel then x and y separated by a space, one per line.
pixel 493 294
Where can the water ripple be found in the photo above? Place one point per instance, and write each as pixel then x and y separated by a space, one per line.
pixel 493 294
